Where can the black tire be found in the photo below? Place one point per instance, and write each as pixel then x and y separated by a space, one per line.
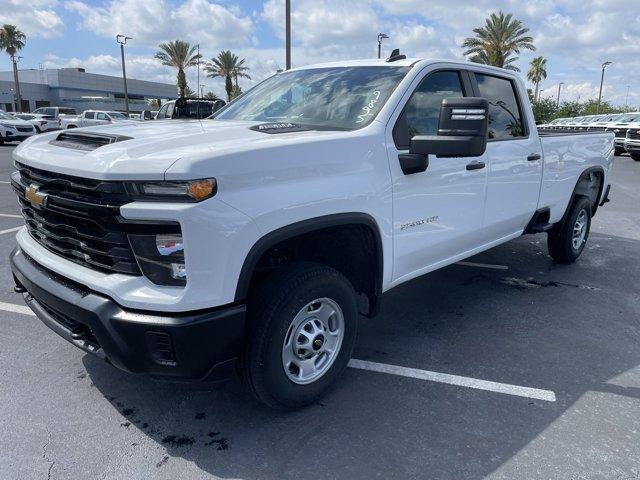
pixel 1 140
pixel 618 151
pixel 38 130
pixel 271 310
pixel 635 156
pixel 560 241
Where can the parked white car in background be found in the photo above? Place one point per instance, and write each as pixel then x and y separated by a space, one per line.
pixel 632 141
pixel 90 118
pixel 42 123
pixel 13 129
pixel 56 112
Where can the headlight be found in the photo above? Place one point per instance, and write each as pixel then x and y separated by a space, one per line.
pixel 161 258
pixel 189 191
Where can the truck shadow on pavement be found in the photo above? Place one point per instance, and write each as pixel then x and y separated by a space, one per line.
pixel 569 329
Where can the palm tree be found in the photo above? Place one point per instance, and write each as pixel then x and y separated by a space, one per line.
pixel 228 66
pixel 12 41
pixel 537 73
pixel 497 41
pixel 179 54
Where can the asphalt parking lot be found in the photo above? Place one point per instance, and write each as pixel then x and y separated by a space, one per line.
pixel 505 367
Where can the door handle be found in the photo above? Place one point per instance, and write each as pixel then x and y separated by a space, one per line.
pixel 475 165
pixel 533 157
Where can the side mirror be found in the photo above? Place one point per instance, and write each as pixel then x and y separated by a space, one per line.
pixel 462 130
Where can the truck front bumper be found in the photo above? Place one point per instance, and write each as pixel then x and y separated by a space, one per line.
pixel 632 146
pixel 195 346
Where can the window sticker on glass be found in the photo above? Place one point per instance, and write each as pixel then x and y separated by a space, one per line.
pixel 369 108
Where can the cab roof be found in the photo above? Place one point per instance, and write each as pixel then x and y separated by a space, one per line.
pixel 407 62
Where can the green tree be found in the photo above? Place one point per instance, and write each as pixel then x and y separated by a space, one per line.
pixel 497 41
pixel 154 103
pixel 537 73
pixel 179 55
pixel 544 110
pixel 188 92
pixel 227 65
pixel 12 41
pixel 211 96
pixel 236 92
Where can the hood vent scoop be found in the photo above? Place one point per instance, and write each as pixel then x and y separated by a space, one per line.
pixel 86 141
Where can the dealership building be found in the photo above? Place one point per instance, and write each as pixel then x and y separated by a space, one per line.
pixel 75 88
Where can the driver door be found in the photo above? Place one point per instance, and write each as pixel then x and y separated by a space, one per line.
pixel 438 213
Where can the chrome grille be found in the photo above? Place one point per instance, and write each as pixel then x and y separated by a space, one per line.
pixel 80 219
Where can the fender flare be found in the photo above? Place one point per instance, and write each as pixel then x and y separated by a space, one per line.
pixel 574 194
pixel 306 226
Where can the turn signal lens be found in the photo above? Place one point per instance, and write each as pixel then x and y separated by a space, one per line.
pixel 201 189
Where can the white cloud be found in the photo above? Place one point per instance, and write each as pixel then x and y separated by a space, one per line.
pixel 41 20
pixel 151 22
pixel 576 37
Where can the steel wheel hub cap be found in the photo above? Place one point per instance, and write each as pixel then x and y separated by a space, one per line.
pixel 313 341
pixel 579 230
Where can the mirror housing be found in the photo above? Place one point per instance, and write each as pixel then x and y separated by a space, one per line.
pixel 462 130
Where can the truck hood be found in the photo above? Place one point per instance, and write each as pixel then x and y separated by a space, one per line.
pixel 145 150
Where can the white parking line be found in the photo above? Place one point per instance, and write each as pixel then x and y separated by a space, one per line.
pixel 9 230
pixel 10 215
pixel 527 392
pixel 3 181
pixel 483 265
pixel 11 307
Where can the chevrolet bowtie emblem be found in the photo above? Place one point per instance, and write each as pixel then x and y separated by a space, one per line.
pixel 36 198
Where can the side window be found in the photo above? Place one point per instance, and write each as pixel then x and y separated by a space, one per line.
pixel 89 115
pixel 162 113
pixel 422 112
pixel 102 116
pixel 505 117
pixel 170 109
pixel 49 111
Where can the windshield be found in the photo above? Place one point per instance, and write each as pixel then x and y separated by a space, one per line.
pixel 340 98
pixel 630 117
pixel 6 116
pixel 117 116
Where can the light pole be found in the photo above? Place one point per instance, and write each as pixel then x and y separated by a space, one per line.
pixel 626 100
pixel 558 101
pixel 381 36
pixel 122 40
pixel 604 65
pixel 287 15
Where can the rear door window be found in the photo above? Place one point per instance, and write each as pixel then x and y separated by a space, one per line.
pixel 505 115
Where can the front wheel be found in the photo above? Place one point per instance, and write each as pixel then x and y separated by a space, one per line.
pixel 567 239
pixel 302 328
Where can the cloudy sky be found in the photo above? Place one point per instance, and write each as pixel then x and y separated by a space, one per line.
pixel 575 35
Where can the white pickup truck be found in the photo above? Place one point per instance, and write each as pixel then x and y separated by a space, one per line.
pixel 92 118
pixel 176 249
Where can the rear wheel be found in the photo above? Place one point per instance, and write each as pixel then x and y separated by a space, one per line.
pixel 567 239
pixel 302 328
pixel 635 156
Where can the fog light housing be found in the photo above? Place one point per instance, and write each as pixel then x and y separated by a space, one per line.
pixel 160 258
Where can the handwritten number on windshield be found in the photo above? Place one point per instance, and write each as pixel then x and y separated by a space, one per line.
pixel 368 109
